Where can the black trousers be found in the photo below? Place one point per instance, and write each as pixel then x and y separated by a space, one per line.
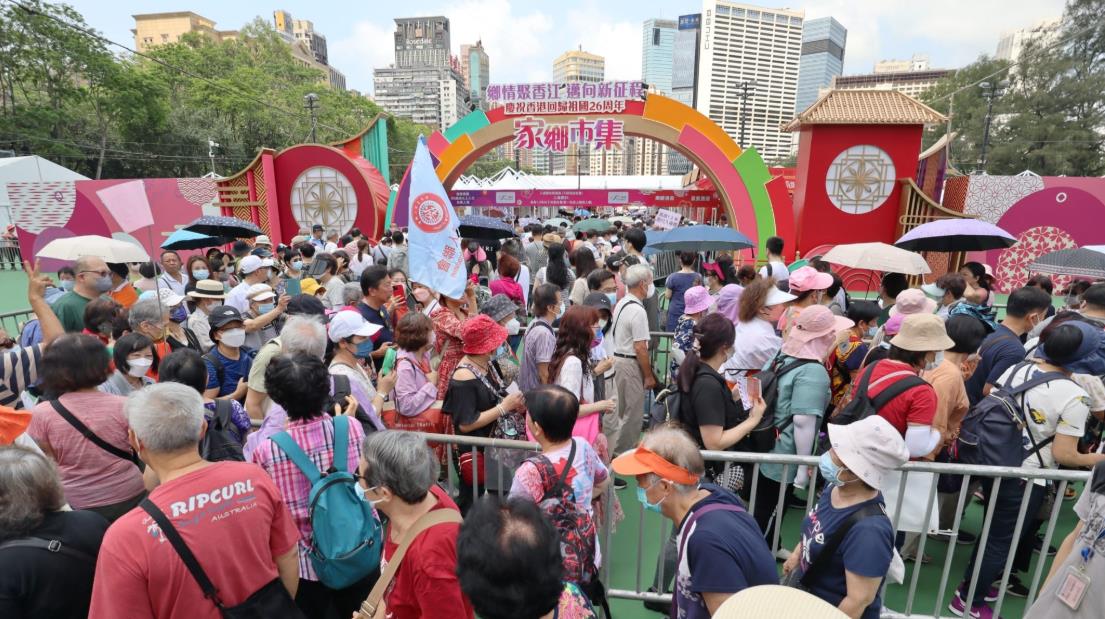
pixel 318 601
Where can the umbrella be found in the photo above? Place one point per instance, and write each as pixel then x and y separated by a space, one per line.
pixel 557 221
pixel 229 227
pixel 1081 262
pixel 797 264
pixel 528 221
pixel 111 250
pixel 484 228
pixel 877 257
pixel 582 212
pixel 652 237
pixel 622 218
pixel 592 225
pixel 186 239
pixel 956 235
pixel 701 238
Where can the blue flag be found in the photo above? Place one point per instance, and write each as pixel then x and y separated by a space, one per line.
pixel 435 256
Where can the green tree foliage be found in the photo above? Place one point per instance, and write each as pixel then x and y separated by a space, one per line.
pixel 67 96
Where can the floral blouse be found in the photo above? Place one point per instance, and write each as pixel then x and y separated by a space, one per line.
pixel 573 604
pixel 683 340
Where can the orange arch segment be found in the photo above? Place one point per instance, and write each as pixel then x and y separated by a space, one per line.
pixel 677 115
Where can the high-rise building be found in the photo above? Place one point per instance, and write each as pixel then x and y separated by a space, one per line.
pixel 748 65
pixel 823 41
pixel 918 62
pixel 684 58
pixel 1012 43
pixel 579 66
pixel 475 67
pixel 422 42
pixel 308 45
pixel 912 83
pixel 424 84
pixel 153 29
pixel 657 42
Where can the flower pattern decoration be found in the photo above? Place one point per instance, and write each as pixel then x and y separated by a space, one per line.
pixel 860 179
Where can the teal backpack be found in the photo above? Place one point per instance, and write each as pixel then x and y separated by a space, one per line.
pixel 346 539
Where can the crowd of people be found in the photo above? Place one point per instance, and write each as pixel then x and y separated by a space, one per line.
pixel 238 431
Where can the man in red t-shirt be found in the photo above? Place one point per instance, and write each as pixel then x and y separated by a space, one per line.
pixel 230 515
pixel 399 473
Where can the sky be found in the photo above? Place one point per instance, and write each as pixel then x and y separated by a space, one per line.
pixel 523 37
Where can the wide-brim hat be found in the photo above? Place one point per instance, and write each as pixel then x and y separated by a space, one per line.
pixel 870 448
pixel 481 335
pixel 777 297
pixel 696 299
pixel 933 291
pixel 922 333
pixel 208 289
pixel 913 301
pixel 165 296
pixel 499 307
pixel 311 286
pixel 552 238
pixel 809 278
pixel 816 321
pixel 777 602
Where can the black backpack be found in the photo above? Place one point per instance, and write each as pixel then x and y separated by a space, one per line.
pixel 861 406
pixel 762 438
pixel 221 441
pixel 342 390
pixel 993 431
pixel 668 405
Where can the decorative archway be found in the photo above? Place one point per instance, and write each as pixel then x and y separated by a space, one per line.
pixel 740 177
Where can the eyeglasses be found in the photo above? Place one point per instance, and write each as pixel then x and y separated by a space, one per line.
pixel 100 273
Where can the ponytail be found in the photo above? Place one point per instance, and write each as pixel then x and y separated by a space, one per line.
pixel 712 334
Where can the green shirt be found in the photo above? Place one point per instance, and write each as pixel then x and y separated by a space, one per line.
pixel 70 311
pixel 802 391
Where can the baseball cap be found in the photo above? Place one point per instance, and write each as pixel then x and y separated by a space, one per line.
pixel 223 315
pixel 251 263
pixel 316 227
pixel 870 448
pixel 933 291
pixel 260 292
pixel 597 300
pixel 348 323
pixel 643 460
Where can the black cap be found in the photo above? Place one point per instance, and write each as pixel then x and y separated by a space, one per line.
pixel 597 300
pixel 305 305
pixel 223 315
pixel 316 227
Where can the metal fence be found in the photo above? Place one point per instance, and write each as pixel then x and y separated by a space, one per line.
pixel 10 258
pixel 13 322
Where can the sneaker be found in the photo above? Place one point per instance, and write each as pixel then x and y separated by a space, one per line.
pixel 966 537
pixel 1039 544
pixel 978 611
pixel 1016 588
pixel 620 484
pixel 663 608
pixel 925 559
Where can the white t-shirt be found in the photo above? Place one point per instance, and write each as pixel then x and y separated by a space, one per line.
pixel 1057 407
pixel 630 325
pixel 571 373
pixel 238 297
pixel 778 271
pixel 756 344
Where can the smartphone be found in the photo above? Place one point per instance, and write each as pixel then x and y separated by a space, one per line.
pixel 399 291
pixel 753 389
pixel 291 287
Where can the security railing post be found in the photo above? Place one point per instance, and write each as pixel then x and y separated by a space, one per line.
pixel 777 530
pixel 921 548
pixel 1022 516
pixel 952 541
pixel 983 540
pixel 1051 521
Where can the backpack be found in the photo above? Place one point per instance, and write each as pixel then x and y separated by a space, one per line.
pixel 993 431
pixel 221 441
pixel 220 369
pixel 762 438
pixel 574 525
pixel 346 538
pixel 668 404
pixel 861 407
pixel 342 390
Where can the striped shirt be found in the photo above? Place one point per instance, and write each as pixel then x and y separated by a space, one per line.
pixel 20 371
pixel 315 437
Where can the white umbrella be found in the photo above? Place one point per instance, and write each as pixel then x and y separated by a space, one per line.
pixel 111 250
pixel 877 257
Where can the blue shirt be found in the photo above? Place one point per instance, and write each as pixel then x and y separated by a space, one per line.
pixel 725 552
pixel 377 317
pixel 678 283
pixel 233 369
pixel 1000 351
pixel 865 551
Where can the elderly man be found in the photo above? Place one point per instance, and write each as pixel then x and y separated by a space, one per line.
pixel 229 515
pixel 253 270
pixel 720 550
pixel 93 279
pixel 633 374
pixel 173 278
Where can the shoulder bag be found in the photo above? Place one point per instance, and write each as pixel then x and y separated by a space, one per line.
pixel 72 420
pixel 802 580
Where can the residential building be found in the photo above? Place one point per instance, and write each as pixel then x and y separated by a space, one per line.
pixel 1012 43
pixel 912 83
pixel 308 46
pixel 918 62
pixel 475 67
pixel 823 42
pixel 579 66
pixel 657 43
pixel 604 163
pixel 750 53
pixel 647 157
pixel 422 42
pixel 153 29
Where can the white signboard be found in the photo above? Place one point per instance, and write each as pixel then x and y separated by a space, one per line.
pixel 666 219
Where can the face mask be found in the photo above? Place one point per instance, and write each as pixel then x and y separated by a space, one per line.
pixel 513 327
pixel 66 284
pixel 234 338
pixel 613 296
pixel 602 324
pixel 560 311
pixel 651 291
pixel 364 349
pixel 643 498
pixel 297 265
pixel 360 490
pixel 265 308
pixel 230 269
pixel 139 367
pixel 103 284
pixel 829 470
pixel 199 274
pixel 179 315
pixel 598 332
pixel 872 330
pixel 502 351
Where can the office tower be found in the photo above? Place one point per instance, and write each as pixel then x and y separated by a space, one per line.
pixel 684 59
pixel 422 42
pixel 822 58
pixel 579 66
pixel 424 84
pixel 475 67
pixel 657 41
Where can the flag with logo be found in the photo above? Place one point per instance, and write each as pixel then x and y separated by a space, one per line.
pixel 436 259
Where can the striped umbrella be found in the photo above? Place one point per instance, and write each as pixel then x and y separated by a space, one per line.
pixel 1079 262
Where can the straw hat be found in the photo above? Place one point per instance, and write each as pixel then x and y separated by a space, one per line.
pixel 922 333
pixel 777 602
pixel 208 289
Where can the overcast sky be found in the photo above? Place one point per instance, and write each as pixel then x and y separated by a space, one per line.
pixel 523 37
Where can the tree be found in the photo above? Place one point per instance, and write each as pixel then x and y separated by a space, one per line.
pixel 957 96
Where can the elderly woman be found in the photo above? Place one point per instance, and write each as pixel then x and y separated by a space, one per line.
pixel 850 515
pixel 399 473
pixel 100 318
pixel 33 581
pixel 300 384
pixel 99 474
pixel 151 319
pixel 134 359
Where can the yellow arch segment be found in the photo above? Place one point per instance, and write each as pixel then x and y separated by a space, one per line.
pixel 453 155
pixel 675 115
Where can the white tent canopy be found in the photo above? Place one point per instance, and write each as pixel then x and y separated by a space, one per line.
pixel 28 169
pixel 510 179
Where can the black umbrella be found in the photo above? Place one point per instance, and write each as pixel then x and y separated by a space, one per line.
pixel 484 228
pixel 229 227
pixel 186 239
pixel 1080 262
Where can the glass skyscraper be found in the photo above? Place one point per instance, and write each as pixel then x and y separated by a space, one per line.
pixel 823 41
pixel 657 38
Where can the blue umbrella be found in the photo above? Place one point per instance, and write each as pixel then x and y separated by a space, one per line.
pixel 701 238
pixel 229 227
pixel 186 239
pixel 651 238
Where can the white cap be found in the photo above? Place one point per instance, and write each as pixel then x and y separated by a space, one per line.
pixel 260 292
pixel 251 263
pixel 348 323
pixel 262 240
pixel 777 297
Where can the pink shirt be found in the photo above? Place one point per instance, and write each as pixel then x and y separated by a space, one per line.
pixel 90 476
pixel 509 287
pixel 413 391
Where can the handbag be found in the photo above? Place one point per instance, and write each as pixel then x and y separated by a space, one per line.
pixel 430 519
pixel 271 600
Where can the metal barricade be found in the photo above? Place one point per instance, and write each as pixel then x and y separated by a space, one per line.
pixel 10 258
pixel 13 322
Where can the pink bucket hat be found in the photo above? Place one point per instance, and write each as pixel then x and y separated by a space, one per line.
pixel 912 301
pixel 809 278
pixel 696 299
pixel 806 340
pixel 894 325
pixel 728 301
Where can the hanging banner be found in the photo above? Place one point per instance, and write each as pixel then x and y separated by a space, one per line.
pixel 585 198
pixel 564 97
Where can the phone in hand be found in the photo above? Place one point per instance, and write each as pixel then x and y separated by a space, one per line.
pixel 754 390
pixel 399 291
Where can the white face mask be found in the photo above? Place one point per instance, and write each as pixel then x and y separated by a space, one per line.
pixel 139 367
pixel 513 327
pixel 234 338
pixel 602 323
pixel 651 291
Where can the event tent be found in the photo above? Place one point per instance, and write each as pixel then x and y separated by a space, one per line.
pixel 28 169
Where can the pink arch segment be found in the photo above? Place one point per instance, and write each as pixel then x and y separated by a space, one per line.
pixel 729 181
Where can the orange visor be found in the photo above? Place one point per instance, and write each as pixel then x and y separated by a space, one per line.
pixel 643 460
